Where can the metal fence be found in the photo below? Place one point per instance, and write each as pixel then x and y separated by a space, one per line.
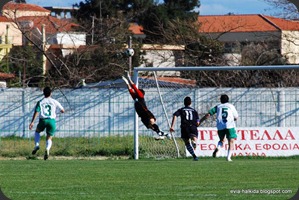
pixel 98 112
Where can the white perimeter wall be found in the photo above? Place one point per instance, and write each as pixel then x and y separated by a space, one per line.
pixel 268 117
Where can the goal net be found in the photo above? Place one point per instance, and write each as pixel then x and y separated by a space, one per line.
pixel 265 96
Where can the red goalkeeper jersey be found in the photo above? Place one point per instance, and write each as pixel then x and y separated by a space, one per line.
pixel 140 105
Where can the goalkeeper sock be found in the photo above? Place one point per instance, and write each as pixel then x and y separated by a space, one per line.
pixel 156 129
pixel 36 139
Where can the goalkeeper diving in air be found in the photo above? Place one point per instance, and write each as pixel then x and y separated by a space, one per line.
pixel 147 117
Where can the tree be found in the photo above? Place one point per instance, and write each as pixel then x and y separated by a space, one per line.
pixel 93 64
pixel 102 9
pixel 160 16
pixel 289 10
pixel 103 59
pixel 107 38
pixel 261 54
pixel 25 60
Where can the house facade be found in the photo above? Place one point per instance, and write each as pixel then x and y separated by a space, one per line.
pixel 37 24
pixel 9 35
pixel 237 31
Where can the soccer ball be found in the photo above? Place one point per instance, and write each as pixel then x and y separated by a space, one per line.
pixel 129 52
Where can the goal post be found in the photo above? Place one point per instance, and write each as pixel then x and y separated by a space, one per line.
pixel 164 97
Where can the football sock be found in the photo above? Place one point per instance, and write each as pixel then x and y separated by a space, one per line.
pixel 193 144
pixel 229 154
pixel 156 128
pixel 36 139
pixel 190 149
pixel 48 144
pixel 220 144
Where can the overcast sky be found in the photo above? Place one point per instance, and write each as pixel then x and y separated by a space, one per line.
pixel 208 7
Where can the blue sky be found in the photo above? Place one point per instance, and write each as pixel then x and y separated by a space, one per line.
pixel 221 7
pixel 208 7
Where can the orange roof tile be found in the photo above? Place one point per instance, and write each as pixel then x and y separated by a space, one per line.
pixel 136 29
pixel 287 25
pixel 24 7
pixel 5 19
pixel 234 23
pixel 244 23
pixel 6 76
pixel 53 24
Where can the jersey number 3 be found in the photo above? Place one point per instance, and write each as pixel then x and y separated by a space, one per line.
pixel 48 110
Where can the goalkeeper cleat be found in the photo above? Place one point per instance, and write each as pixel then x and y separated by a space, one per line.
pixel 160 137
pixel 128 76
pixel 195 159
pixel 35 150
pixel 125 80
pixel 215 152
pixel 168 136
pixel 46 156
pixel 161 133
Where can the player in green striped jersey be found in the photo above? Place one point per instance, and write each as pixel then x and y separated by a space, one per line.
pixel 46 109
pixel 226 117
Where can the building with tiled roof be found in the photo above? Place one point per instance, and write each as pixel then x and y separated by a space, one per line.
pixel 136 30
pixel 16 10
pixel 234 24
pixel 9 34
pixel 37 23
pixel 4 77
pixel 244 29
pixel 32 18
pixel 235 30
pixel 53 24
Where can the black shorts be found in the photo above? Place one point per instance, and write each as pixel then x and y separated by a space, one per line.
pixel 146 118
pixel 189 131
pixel 146 122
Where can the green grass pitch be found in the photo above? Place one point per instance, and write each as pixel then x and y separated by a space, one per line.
pixel 244 178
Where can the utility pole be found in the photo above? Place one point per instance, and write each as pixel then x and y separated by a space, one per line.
pixel 44 49
pixel 130 57
pixel 6 49
pixel 92 30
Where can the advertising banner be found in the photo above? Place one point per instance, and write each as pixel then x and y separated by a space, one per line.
pixel 266 141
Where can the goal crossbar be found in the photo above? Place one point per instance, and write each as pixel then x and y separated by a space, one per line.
pixel 213 68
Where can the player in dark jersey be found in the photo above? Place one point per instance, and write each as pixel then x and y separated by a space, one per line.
pixel 147 117
pixel 189 124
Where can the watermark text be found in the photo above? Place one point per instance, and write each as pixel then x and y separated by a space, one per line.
pixel 261 191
